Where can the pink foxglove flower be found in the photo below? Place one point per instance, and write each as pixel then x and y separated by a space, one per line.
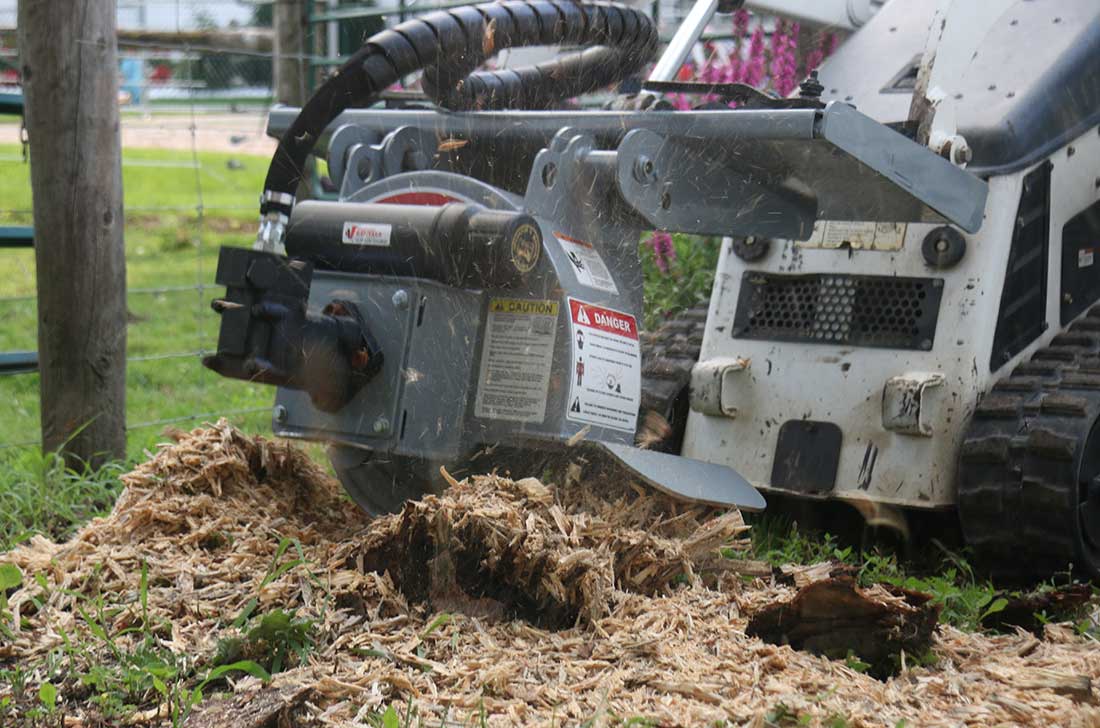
pixel 755 66
pixel 784 68
pixel 664 252
pixel 773 66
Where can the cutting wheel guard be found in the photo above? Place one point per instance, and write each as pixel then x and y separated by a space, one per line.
pixel 448 45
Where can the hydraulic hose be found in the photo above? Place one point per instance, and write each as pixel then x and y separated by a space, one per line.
pixel 448 45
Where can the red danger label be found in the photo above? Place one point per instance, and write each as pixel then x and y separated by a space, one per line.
pixel 605 383
pixel 603 319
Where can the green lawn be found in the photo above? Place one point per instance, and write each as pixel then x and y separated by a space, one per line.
pixel 170 250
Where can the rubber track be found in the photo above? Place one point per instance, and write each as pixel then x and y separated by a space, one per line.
pixel 1017 477
pixel 668 355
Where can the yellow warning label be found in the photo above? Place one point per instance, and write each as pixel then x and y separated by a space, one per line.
pixel 514 378
pixel 520 305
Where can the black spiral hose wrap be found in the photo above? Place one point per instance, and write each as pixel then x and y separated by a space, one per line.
pixel 449 44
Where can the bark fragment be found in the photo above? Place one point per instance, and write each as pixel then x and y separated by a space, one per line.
pixel 836 618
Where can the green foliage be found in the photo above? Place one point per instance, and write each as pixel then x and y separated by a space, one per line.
pixel 168 246
pixel 116 669
pixel 853 662
pixel 276 640
pixel 139 669
pixel 779 541
pixel 783 715
pixel 219 672
pixel 47 695
pixel 39 494
pixel 965 599
pixel 10 578
pixel 687 281
pixel 441 620
pixel 277 636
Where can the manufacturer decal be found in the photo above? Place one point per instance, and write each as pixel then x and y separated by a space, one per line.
pixel 526 248
pixel 367 233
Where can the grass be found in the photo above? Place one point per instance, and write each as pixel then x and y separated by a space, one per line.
pixel 118 658
pixel 965 597
pixel 38 494
pixel 170 249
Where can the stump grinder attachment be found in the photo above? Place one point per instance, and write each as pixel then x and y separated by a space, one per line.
pixel 477 282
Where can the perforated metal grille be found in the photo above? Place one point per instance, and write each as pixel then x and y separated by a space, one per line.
pixel 880 311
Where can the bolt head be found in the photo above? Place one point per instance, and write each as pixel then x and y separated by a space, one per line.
pixel 644 169
pixel 400 298
pixel 280 414
pixel 381 426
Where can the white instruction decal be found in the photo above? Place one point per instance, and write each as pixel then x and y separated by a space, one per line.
pixel 515 359
pixel 605 380
pixel 367 233
pixel 1085 257
pixel 587 264
pixel 857 235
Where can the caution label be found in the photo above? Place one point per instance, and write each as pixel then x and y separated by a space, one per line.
pixel 605 380
pixel 586 264
pixel 515 359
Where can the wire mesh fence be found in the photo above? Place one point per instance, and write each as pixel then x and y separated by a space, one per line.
pixel 193 123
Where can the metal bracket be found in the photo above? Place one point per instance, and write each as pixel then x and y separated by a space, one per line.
pixel 345 140
pixel 356 160
pixel 678 187
pixel 714 385
pixel 903 402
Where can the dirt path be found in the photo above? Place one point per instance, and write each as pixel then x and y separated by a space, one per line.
pixel 241 133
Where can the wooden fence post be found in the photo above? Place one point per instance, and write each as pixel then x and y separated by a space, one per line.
pixel 291 67
pixel 70 73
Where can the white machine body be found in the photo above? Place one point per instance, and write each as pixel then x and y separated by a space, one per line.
pixel 899 413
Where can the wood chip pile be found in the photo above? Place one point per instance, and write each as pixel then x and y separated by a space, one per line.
pixel 560 604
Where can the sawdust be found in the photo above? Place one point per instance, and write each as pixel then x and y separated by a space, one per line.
pixel 566 604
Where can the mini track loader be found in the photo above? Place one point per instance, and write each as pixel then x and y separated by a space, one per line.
pixel 904 307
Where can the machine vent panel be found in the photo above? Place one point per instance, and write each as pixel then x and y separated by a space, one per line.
pixel 876 311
